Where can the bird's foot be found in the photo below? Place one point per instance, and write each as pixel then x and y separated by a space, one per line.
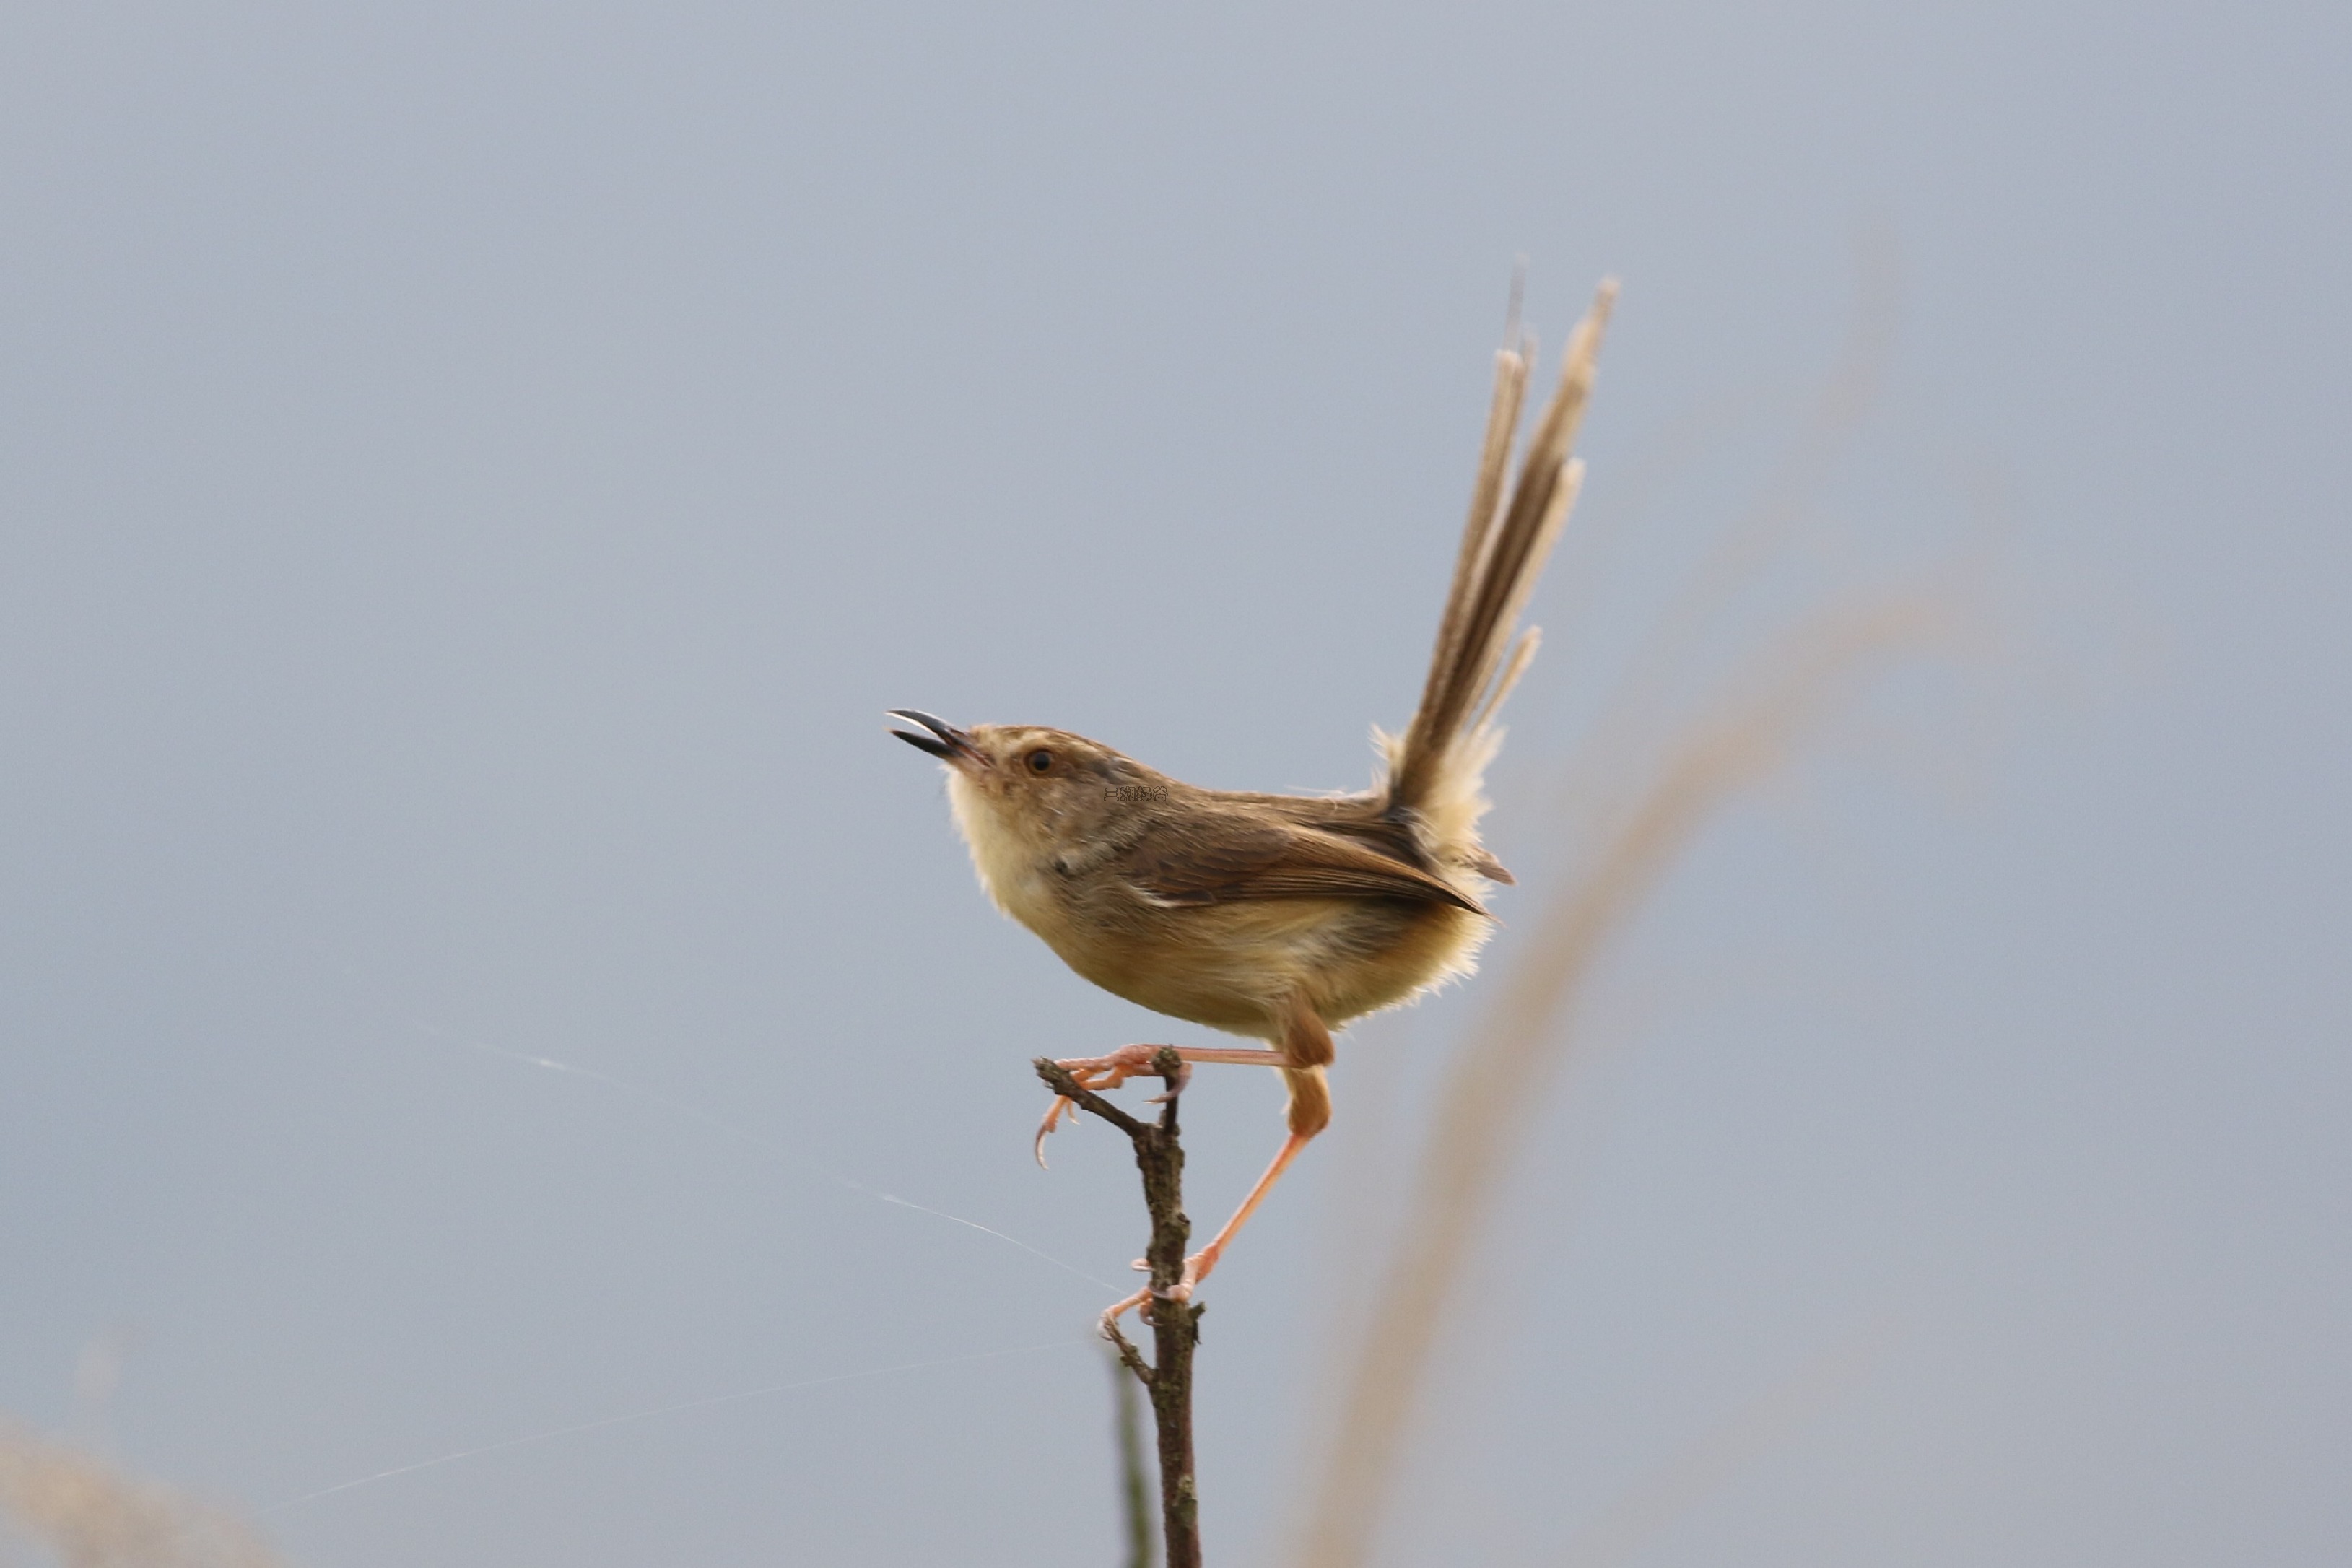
pixel 1106 1072
pixel 1196 1268
pixel 1117 1310
pixel 1126 1062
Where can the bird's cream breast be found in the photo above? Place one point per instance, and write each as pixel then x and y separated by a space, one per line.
pixel 1014 872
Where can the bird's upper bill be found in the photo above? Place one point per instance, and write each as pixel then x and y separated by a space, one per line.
pixel 944 742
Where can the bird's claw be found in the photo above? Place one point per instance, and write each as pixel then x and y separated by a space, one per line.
pixel 1054 1112
pixel 1183 1080
pixel 1106 1072
pixel 1196 1268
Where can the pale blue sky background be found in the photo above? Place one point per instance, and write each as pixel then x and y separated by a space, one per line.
pixel 471 476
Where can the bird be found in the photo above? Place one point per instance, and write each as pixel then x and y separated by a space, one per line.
pixel 1283 918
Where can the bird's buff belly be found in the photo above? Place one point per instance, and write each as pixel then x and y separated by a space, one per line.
pixel 1240 967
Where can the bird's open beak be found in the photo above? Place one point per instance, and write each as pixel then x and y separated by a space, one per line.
pixel 945 742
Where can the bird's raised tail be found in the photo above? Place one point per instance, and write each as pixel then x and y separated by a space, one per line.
pixel 1435 770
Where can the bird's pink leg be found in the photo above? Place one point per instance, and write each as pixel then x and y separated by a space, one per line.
pixel 1135 1061
pixel 1306 1051
pixel 1197 1266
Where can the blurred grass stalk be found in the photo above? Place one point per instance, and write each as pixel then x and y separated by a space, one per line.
pixel 1135 1510
pixel 1655 797
pixel 1496 1087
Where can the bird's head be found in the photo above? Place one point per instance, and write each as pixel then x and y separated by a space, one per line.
pixel 1027 792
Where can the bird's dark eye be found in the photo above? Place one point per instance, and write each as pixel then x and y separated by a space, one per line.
pixel 1041 761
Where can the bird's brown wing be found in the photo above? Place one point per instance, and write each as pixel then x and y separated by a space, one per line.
pixel 1226 858
pixel 1365 819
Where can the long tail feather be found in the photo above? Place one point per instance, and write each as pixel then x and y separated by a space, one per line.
pixel 1504 541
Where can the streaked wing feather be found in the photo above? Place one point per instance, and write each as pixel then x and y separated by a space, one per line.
pixel 1236 859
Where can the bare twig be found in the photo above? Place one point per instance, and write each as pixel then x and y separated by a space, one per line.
pixel 1175 1322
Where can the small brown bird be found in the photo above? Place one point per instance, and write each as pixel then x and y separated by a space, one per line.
pixel 1280 918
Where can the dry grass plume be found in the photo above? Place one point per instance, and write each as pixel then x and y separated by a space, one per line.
pixel 1659 796
pixel 86 1513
